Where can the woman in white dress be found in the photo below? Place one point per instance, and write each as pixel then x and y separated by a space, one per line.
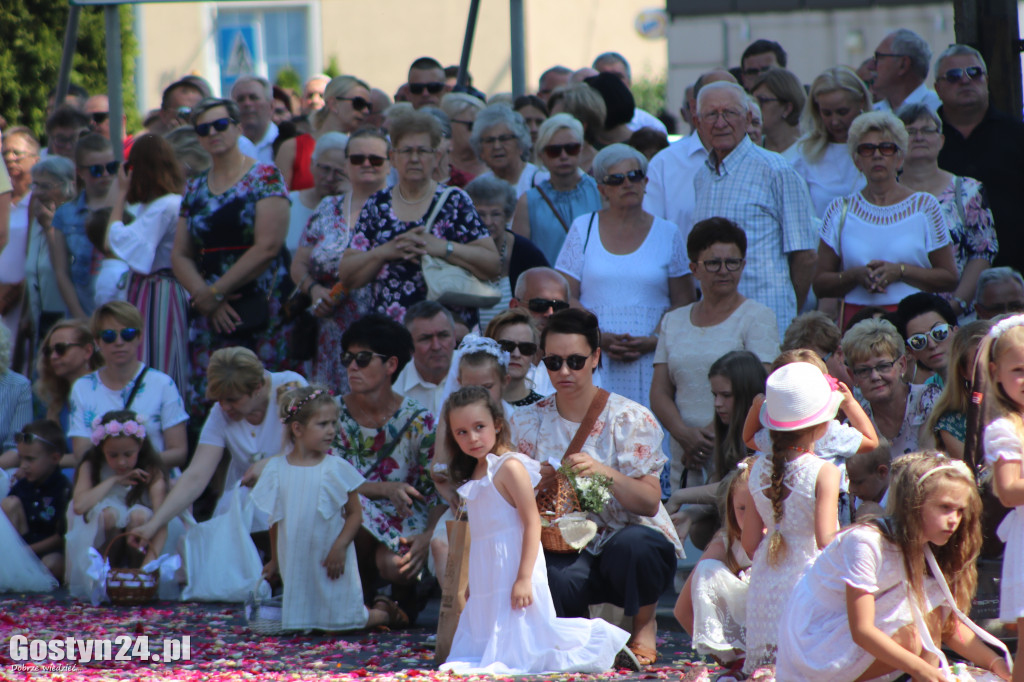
pixel 629 268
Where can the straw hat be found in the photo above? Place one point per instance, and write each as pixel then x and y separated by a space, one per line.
pixel 798 395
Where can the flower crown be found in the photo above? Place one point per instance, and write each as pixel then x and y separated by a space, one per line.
pixel 293 410
pixel 113 428
pixel 1005 325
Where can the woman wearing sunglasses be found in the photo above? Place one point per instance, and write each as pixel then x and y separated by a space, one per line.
pixel 124 383
pixel 927 323
pixel 462 110
pixel 886 241
pixel 68 352
pixel 545 213
pixel 229 251
pixel 632 560
pixel 346 106
pixel 330 179
pixel 515 332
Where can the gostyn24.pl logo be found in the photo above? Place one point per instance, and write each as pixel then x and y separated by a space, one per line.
pixel 120 648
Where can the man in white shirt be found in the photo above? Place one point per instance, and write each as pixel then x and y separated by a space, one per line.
pixel 255 96
pixel 433 344
pixel 613 62
pixel 901 67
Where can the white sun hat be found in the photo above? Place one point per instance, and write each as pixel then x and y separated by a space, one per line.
pixel 798 395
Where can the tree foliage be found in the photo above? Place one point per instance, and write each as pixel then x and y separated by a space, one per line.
pixel 31 40
pixel 649 93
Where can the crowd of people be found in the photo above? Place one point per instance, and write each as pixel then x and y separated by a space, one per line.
pixel 329 322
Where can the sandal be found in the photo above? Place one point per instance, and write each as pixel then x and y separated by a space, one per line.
pixel 626 660
pixel 397 618
pixel 644 655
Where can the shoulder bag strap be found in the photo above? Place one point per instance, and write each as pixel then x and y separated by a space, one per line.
pixel 135 388
pixel 389 448
pixel 839 252
pixel 587 425
pixel 554 210
pixel 438 205
pixel 590 226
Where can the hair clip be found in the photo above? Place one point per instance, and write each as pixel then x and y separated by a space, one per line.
pixel 977 397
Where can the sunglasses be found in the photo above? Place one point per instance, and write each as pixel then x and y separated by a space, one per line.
pixel 29 438
pixel 885 148
pixel 542 305
pixel 575 362
pixel 939 333
pixel 433 88
pixel 98 117
pixel 865 372
pixel 360 159
pixel 756 70
pixel 555 150
pixel 59 348
pixel 98 170
pixel 358 103
pixel 499 139
pixel 526 348
pixel 220 125
pixel 957 75
pixel 129 334
pixel 363 358
pixel 616 179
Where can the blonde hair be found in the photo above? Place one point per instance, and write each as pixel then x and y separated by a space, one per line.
pixel 297 404
pixel 726 492
pixel 121 312
pixel 882 122
pixel 52 389
pixel 233 371
pixel 454 103
pixel 337 87
pixel 955 396
pixel 812 329
pixel 839 78
pixel 871 337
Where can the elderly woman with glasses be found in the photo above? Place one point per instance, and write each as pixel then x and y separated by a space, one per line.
pixel 628 267
pixel 546 211
pixel 229 251
pixel 391 234
pixel 963 201
pixel 330 178
pixel 885 242
pixel 462 110
pixel 346 106
pixel 501 139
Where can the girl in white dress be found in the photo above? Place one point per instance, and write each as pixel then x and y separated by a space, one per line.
pixel 314 513
pixel 796 493
pixel 509 625
pixel 868 607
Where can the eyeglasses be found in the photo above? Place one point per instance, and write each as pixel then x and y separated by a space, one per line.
pixel 220 125
pixel 60 348
pixel 1002 308
pixel 17 155
pixel 29 438
pixel 731 264
pixel 575 362
pixel 879 55
pixel 433 88
pixel 468 124
pixel 99 117
pixel 867 149
pixel 765 100
pixel 527 348
pixel 542 305
pixel 555 150
pixel 756 70
pixel 358 103
pixel 360 159
pixel 331 170
pixel 129 334
pixel 923 132
pixel 957 75
pixel 865 372
pixel 499 139
pixel 183 113
pixel 729 115
pixel 363 358
pixel 415 151
pixel 939 333
pixel 616 179
pixel 97 170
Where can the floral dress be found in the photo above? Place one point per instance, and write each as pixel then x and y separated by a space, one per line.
pixel 398 451
pixel 222 227
pixel 327 236
pixel 970 222
pixel 400 283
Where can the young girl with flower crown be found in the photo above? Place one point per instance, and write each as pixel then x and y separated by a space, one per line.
pixel 870 605
pixel 314 515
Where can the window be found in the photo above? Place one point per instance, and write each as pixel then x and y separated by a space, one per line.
pixel 262 40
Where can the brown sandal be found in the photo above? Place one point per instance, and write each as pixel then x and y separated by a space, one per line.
pixel 397 618
pixel 644 655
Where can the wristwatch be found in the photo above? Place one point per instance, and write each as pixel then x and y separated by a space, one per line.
pixel 449 249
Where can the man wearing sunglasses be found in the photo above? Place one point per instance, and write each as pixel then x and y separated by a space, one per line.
pixel 982 143
pixel 901 67
pixel 255 99
pixel 927 323
pixel 97 108
pixel 426 84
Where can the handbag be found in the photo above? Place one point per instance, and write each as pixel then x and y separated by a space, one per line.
pixel 305 326
pixel 449 284
pixel 453 585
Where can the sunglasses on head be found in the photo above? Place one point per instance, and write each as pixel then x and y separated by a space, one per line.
pixel 98 117
pixel 616 179
pixel 433 88
pixel 59 348
pixel 363 358
pixel 29 438
pixel 957 75
pixel 98 170
pixel 110 335
pixel 939 333
pixel 542 305
pixel 885 148
pixel 220 125
pixel 526 348
pixel 358 103
pixel 574 362
pixel 360 159
pixel 555 150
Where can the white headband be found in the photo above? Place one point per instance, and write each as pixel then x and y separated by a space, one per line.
pixel 1006 325
pixel 472 343
pixel 954 466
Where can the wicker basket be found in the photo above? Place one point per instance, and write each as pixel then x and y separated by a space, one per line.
pixel 130 586
pixel 263 616
pixel 553 503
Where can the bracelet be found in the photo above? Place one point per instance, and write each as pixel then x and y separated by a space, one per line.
pixel 449 249
pixel 993 662
pixel 217 296
pixel 903 271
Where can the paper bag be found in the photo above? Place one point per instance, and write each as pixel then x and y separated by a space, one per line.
pixel 453 587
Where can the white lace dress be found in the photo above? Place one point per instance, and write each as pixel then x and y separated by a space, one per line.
pixel 771 586
pixel 720 606
pixel 1002 441
pixel 628 293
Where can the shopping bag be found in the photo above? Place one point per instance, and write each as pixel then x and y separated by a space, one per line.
pixel 221 561
pixel 21 570
pixel 453 587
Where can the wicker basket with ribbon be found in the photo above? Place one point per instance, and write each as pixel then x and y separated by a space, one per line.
pixel 130 586
pixel 553 503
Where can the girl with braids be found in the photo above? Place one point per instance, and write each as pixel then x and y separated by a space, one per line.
pixel 314 513
pixel 795 492
pixel 875 598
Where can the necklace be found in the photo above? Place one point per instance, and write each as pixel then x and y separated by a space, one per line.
pixel 401 195
pixel 802 451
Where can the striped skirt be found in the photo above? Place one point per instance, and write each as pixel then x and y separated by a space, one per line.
pixel 164 307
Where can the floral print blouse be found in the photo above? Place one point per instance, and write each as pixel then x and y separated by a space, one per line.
pixel 970 224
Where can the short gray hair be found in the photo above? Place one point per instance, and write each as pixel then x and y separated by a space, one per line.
pixel 558 122
pixel 613 57
pixel 60 169
pixel 454 103
pixel 492 190
pixel 442 120
pixel 909 113
pixel 882 122
pixel 330 142
pixel 614 154
pixel 736 90
pixel 268 89
pixel 991 276
pixel 498 114
pixel 955 51
pixel 907 43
